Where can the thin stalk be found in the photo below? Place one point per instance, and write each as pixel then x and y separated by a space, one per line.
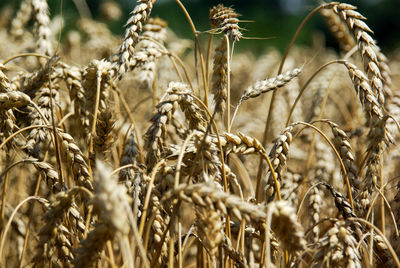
pixel 3 198
pixel 228 87
pixel 180 259
pixel 210 39
pixel 30 211
pixel 95 113
pixel 7 227
pixel 87 222
pixel 155 93
pixel 19 132
pixel 347 182
pixel 272 102
pixel 115 171
pixel 110 253
pixel 128 111
pixel 25 55
pixel 68 115
pixel 136 237
pixel 265 157
pixel 304 198
pixel 394 255
pixel 171 254
pixel 382 205
pixel 202 65
pixel 40 112
pixel 380 193
pixel 148 194
pixel 306 85
pixel 221 153
pixel 55 141
pixel 313 141
pixel 180 159
pixel 183 68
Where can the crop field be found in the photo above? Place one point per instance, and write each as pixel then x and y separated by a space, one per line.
pixel 150 150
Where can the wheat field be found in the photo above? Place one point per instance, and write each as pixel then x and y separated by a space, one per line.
pixel 149 150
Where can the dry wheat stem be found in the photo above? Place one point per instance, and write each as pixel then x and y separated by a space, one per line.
pixel 9 138
pixel 198 50
pixel 4 173
pixel 286 53
pixel 7 227
pixel 173 58
pixel 130 116
pixel 148 194
pixel 180 158
pixel 376 229
pixel 342 166
pixel 95 114
pixel 304 198
pixel 25 55
pixel 301 91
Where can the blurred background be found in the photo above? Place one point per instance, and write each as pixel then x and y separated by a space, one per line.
pixel 273 20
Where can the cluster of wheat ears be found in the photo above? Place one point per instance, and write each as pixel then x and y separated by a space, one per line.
pixel 155 151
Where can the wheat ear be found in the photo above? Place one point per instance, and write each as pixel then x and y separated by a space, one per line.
pixel 134 27
pixel 219 77
pixel 226 20
pixel 361 32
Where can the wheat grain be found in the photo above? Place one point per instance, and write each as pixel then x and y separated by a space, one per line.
pixel 148 51
pixel 209 196
pixel 219 77
pixel 279 154
pixel 177 93
pixel 103 140
pixel 263 86
pixel 226 20
pixel 13 99
pixel 342 144
pixel 191 201
pixel 338 29
pixel 38 136
pixel 285 226
pixel 134 26
pixel 338 249
pixel 360 31
pixel 110 203
pixel 75 159
pixel 54 236
pixel 4 81
pixel 40 12
pixel 95 71
pixel 21 19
